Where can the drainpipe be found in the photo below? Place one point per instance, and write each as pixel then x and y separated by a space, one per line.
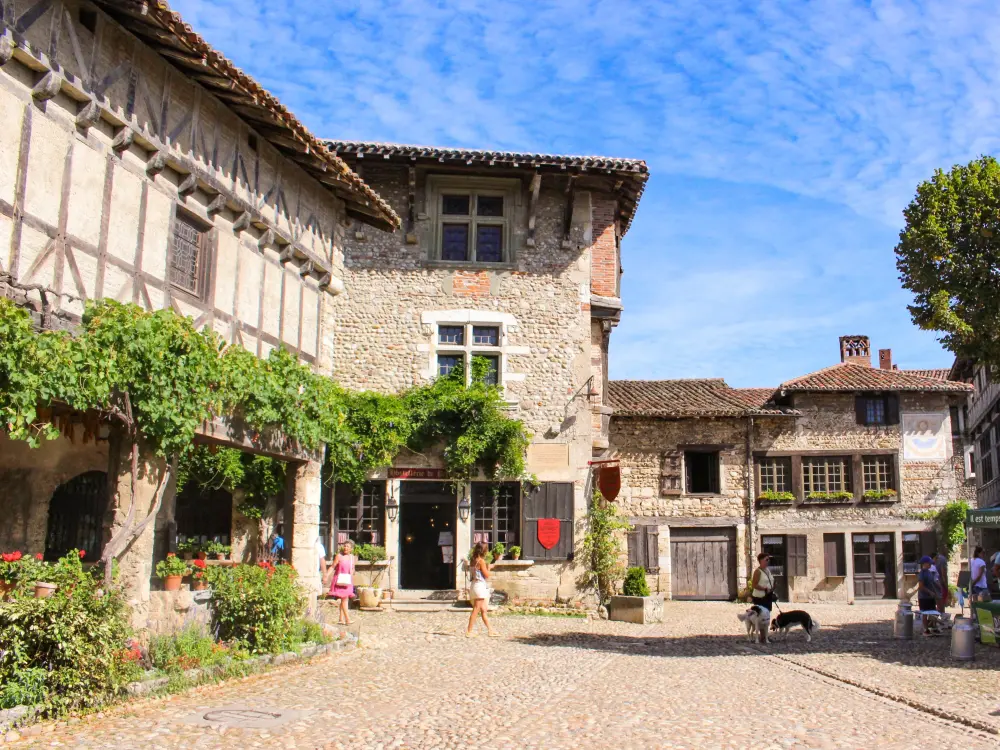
pixel 751 501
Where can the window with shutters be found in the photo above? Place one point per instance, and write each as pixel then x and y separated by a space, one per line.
pixel 360 516
pixel 473 219
pixel 985 473
pixel 774 475
pixel 796 564
pixel 671 475
pixel 495 512
pixel 916 544
pixel 551 502
pixel 644 548
pixel 879 473
pixel 188 254
pixel 834 556
pixel 877 410
pixel 954 416
pixel 826 474
pixel 701 472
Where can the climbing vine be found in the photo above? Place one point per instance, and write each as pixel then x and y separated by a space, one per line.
pixel 950 522
pixel 157 373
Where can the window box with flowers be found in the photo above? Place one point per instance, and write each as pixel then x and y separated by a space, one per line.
pixel 171 571
pixel 774 497
pixel 839 497
pixel 880 496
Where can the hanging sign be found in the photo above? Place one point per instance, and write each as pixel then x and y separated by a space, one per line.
pixel 417 474
pixel 609 479
pixel 548 532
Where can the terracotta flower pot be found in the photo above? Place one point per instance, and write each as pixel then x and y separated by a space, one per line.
pixel 220 555
pixel 516 556
pixel 199 584
pixel 202 555
pixel 44 590
pixel 5 589
pixel 172 583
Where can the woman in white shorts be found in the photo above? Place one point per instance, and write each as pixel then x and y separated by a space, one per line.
pixel 480 593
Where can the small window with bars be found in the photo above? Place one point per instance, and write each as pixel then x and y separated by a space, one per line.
pixel 774 474
pixel 495 512
pixel 879 473
pixel 360 516
pixel 823 476
pixel 188 256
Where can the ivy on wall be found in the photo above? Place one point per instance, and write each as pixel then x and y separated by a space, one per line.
pixel 158 372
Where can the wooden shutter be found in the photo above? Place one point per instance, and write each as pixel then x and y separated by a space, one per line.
pixel 670 473
pixel 548 500
pixel 635 547
pixel 861 409
pixel 834 563
pixel 892 409
pixel 796 553
pixel 652 535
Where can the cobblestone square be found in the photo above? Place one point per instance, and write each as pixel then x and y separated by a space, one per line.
pixel 559 682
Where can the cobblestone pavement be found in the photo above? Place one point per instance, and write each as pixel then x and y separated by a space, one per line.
pixel 556 682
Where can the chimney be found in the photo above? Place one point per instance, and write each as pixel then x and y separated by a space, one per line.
pixel 885 359
pixel 856 350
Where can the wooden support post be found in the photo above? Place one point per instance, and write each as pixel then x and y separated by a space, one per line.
pixel 568 210
pixel 188 185
pixel 48 87
pixel 536 184
pixel 123 140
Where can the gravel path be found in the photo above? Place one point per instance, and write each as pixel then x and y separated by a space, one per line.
pixel 556 682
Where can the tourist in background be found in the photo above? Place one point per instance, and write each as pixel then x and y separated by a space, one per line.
pixel 979 589
pixel 343 580
pixel 941 566
pixel 928 592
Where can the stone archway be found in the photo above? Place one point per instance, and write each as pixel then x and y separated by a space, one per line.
pixel 76 516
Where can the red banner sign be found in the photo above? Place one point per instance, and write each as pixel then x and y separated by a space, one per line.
pixel 417 474
pixel 548 532
pixel 609 479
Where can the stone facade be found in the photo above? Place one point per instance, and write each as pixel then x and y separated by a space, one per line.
pixel 561 263
pixel 822 424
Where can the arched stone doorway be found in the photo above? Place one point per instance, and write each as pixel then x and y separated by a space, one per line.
pixel 76 516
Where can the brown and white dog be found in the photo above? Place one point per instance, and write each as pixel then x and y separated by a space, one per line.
pixel 756 619
pixel 787 620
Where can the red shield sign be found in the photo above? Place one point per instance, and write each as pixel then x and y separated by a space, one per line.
pixel 548 532
pixel 610 481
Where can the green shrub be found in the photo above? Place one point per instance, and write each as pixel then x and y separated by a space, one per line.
pixel 256 606
pixel 879 494
pixel 189 649
pixel 70 650
pixel 773 496
pixel 370 552
pixel 635 582
pixel 515 551
pixel 498 549
pixel 172 566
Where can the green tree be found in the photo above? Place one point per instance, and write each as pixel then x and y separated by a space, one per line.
pixel 602 549
pixel 949 256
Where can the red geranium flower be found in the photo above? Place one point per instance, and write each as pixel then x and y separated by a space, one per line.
pixel 39 556
pixel 199 563
pixel 171 554
pixel 11 556
pixel 82 553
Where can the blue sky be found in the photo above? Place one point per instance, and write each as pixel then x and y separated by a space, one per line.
pixel 784 139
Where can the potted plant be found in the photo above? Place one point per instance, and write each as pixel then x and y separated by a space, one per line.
pixel 515 552
pixel 11 568
pixel 636 604
pixel 773 497
pixel 187 547
pixel 370 596
pixel 220 550
pixel 498 551
pixel 198 580
pixel 171 570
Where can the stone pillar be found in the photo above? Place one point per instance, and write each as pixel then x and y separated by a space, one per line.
pixel 301 522
pixel 392 537
pixel 244 531
pixel 463 539
pixel 900 578
pixel 137 560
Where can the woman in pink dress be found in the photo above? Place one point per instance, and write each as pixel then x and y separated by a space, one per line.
pixel 343 580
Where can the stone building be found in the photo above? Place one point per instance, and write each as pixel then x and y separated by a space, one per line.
pixel 514 258
pixel 138 163
pixel 828 472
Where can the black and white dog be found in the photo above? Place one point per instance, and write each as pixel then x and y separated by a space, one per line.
pixel 756 619
pixel 787 620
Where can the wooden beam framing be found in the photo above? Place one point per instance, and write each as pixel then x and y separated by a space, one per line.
pixel 536 185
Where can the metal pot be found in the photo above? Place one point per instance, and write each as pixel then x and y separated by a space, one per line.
pixel 902 627
pixel 963 640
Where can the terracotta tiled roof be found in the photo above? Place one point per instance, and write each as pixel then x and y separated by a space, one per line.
pixel 181 46
pixel 940 374
pixel 710 397
pixel 848 376
pixel 633 171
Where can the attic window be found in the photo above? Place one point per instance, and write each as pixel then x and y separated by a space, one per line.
pixel 88 19
pixel 252 142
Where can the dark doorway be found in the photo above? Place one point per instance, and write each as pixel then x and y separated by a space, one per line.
pixel 427 536
pixel 874 566
pixel 76 516
pixel 777 548
pixel 204 514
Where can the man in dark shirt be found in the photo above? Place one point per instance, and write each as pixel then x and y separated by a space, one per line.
pixel 928 593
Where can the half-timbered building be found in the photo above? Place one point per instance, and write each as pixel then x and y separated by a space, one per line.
pixel 138 163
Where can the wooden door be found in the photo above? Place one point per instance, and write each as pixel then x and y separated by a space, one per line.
pixel 703 563
pixel 874 566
